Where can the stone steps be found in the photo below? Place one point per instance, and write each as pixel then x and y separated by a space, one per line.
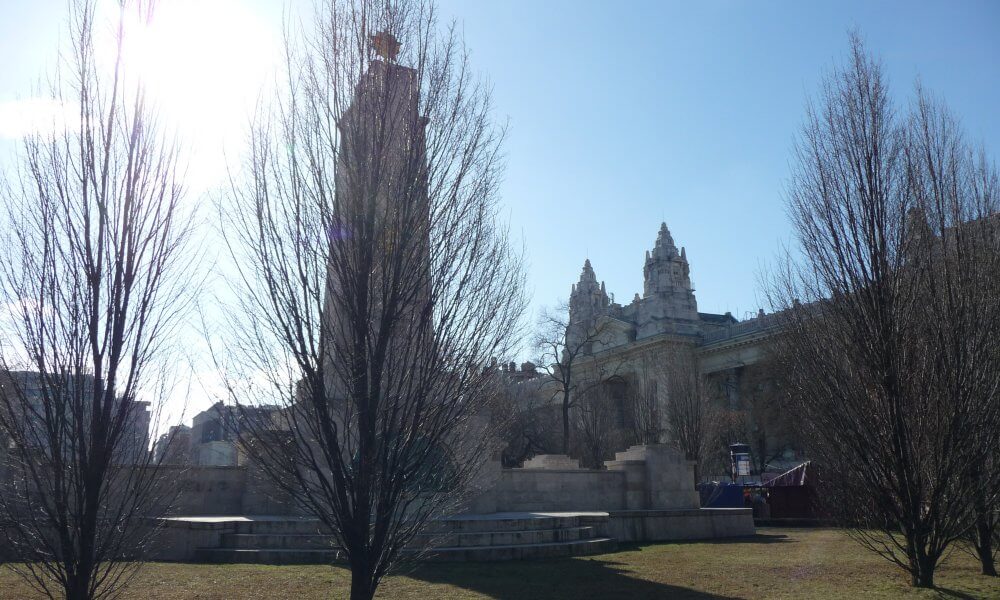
pixel 504 522
pixel 242 541
pixel 289 525
pixel 505 537
pixel 524 551
pixel 494 537
pixel 269 556
pixel 302 556
pixel 303 541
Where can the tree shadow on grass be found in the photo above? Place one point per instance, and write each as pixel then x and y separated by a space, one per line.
pixel 759 538
pixel 568 579
pixel 943 592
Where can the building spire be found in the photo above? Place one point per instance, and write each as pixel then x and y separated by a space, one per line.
pixel 588 272
pixel 588 301
pixel 665 247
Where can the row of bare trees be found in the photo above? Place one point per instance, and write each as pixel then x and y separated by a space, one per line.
pixel 890 349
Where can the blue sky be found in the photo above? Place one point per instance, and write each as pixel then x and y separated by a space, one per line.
pixel 625 114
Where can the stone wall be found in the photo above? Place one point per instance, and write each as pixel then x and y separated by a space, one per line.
pixel 263 497
pixel 641 478
pixel 558 490
pixel 207 490
pixel 679 524
pixel 652 477
pixel 646 494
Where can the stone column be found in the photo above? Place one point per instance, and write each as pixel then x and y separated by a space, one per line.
pixel 657 477
pixel 733 388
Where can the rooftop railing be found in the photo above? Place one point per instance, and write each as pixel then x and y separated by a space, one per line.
pixel 743 328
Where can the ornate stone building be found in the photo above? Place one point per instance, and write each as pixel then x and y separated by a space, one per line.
pixel 667 306
pixel 649 339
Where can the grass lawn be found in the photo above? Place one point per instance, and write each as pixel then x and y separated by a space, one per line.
pixel 777 563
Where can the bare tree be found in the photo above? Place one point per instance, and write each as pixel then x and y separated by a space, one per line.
pixel 768 427
pixel 562 358
pixel 93 242
pixel 534 423
pixel 645 404
pixel 377 282
pixel 690 418
pixel 890 357
pixel 598 425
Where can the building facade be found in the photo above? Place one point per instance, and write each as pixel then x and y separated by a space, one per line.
pixel 32 395
pixel 173 447
pixel 637 349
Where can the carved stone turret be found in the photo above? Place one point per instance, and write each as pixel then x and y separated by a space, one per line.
pixel 587 302
pixel 665 270
pixel 667 304
pixel 667 291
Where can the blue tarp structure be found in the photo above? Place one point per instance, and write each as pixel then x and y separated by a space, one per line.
pixel 721 495
pixel 787 497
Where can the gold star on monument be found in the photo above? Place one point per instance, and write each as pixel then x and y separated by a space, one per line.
pixel 386 45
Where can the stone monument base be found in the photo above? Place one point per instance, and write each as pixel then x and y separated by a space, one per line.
pixel 469 537
pixel 551 508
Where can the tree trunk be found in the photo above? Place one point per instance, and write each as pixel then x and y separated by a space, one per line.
pixel 922 571
pixel 362 587
pixel 983 533
pixel 565 423
pixel 984 544
pixel 78 587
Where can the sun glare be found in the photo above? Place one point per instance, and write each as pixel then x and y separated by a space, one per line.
pixel 19 118
pixel 205 64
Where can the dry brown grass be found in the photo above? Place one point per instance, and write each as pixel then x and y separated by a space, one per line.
pixel 777 563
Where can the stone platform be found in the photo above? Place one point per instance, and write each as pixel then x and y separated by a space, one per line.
pixel 471 537
pixel 291 540
pixel 552 508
